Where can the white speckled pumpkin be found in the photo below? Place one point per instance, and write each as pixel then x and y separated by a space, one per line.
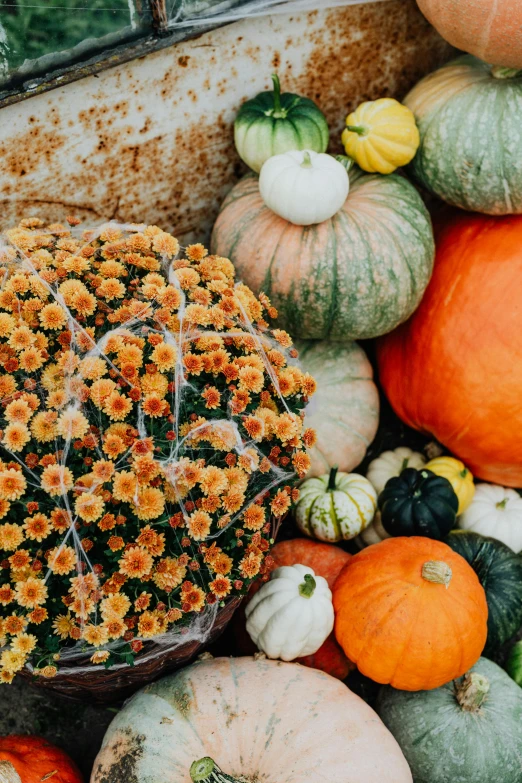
pixel 470 122
pixel 344 410
pixel 336 506
pixel 497 512
pixel 355 276
pixel 258 720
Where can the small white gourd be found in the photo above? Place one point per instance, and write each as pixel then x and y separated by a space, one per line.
pixel 291 615
pixel 304 187
pixel 392 463
pixel 497 512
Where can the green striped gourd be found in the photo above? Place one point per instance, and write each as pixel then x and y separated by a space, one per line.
pixel 355 276
pixel 469 115
pixel 336 506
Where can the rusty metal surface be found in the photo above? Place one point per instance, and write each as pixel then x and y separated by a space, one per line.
pixel 151 140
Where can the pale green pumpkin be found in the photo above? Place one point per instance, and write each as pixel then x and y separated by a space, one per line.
pixel 468 731
pixel 470 120
pixel 336 506
pixel 355 276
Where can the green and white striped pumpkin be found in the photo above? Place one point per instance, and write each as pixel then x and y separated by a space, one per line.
pixel 336 506
pixel 469 115
pixel 355 276
pixel 344 411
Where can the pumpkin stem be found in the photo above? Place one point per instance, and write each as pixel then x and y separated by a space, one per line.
pixel 360 130
pixel 206 770
pixel 502 503
pixel 464 473
pixel 404 465
pixel 500 72
pixel 306 588
pixel 333 477
pixel 277 112
pixel 8 773
pixel 345 161
pixel 472 691
pixel 307 160
pixel 437 571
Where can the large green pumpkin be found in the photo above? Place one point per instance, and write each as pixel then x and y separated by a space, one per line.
pixel 468 731
pixel 344 411
pixel 499 571
pixel 470 120
pixel 357 275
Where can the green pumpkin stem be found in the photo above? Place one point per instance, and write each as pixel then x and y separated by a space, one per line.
pixel 332 478
pixel 500 72
pixel 277 96
pixel 472 691
pixel 206 770
pixel 306 588
pixel 437 571
pixel 307 160
pixel 360 130
pixel 502 503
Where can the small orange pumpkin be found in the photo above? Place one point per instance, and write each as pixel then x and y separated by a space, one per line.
pixel 327 561
pixel 411 613
pixel 34 760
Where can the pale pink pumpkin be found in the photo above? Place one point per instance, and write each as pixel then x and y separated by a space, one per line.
pixel 266 721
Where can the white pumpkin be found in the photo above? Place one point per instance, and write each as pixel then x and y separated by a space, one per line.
pixel 292 614
pixel 336 506
pixel 304 187
pixel 497 512
pixel 392 463
pixel 373 534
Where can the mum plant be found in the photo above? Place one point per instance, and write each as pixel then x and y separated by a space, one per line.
pixel 151 428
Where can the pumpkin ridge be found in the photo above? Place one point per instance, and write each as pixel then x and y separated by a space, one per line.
pixel 334 289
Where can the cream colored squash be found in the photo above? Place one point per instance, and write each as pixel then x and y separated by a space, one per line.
pixel 497 512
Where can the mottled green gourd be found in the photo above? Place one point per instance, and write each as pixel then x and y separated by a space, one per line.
pixel 336 506
pixel 467 731
pixel 499 571
pixel 469 115
pixel 355 276
pixel 273 123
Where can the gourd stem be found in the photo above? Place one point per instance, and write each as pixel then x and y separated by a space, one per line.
pixel 500 72
pixel 472 691
pixel 404 465
pixel 277 95
pixel 307 161
pixel 206 770
pixel 306 588
pixel 502 503
pixel 333 477
pixel 361 130
pixel 437 571
pixel 8 773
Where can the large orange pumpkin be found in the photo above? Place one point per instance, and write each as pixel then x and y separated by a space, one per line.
pixel 489 29
pixel 411 613
pixel 327 561
pixel 33 760
pixel 454 370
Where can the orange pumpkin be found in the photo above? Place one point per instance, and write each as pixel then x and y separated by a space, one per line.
pixel 489 30
pixel 33 760
pixel 327 561
pixel 454 370
pixel 411 613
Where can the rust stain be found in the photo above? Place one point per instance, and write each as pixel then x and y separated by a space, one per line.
pixel 152 140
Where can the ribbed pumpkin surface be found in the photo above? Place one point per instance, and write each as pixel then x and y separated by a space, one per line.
pixel 355 276
pixel 471 135
pixel 265 720
pixel 344 411
pixel 455 368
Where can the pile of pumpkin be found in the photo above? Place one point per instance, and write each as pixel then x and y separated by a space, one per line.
pixel 430 599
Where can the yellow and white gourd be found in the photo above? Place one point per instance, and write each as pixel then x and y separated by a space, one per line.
pixel 496 512
pixel 458 476
pixel 336 506
pixel 292 614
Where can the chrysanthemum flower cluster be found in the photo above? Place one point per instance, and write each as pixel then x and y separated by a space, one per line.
pixel 151 428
